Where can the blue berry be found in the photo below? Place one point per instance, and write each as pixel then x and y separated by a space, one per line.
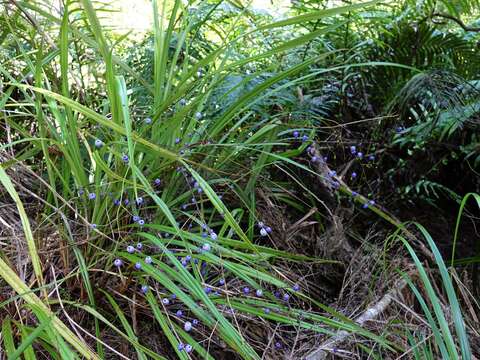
pixel 263 232
pixel 179 313
pixel 268 229
pixel 259 292
pixel 246 290
pixel 98 143
pixel 195 322
pixel 144 289
pixel 332 173
pixel 266 310
pixel 296 287
pixel 139 200
pixel 118 262
pixel 354 175
pixel 296 134
pixel 177 140
pixel 116 202
pixel 183 102
pixel 148 120
pixel 188 348
pixel 360 155
pixel 198 115
pixel 353 149
pixel 213 236
pixel 278 345
pixel 141 222
pixel 135 218
pixel 221 282
pixel 125 158
pixel 286 297
pixel 93 226
pixel 187 326
pixel 148 260
pixel 157 181
pixel 304 138
pixel 92 196
pixel 165 301
pixel 180 346
pixel 371 158
pixel 130 249
pixel 126 202
pixel 207 290
pixel 138 266
pixel 139 246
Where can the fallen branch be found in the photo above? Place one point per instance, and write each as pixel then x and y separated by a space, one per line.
pixel 371 313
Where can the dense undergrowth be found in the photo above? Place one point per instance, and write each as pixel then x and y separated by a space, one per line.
pixel 233 185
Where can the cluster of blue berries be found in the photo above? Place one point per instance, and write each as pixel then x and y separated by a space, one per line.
pixel 264 230
pixel 296 135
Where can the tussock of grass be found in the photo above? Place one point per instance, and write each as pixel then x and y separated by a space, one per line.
pixel 177 208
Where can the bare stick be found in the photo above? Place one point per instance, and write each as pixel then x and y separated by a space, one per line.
pixel 371 313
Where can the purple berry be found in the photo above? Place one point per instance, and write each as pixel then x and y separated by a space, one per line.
pixel 187 326
pixel 148 260
pixel 135 218
pixel 296 134
pixel 165 301
pixel 125 158
pixel 139 246
pixel 179 313
pixel 259 292
pixel 92 196
pixel 98 143
pixel 188 348
pixel 138 266
pixel 246 290
pixel 141 222
pixel 130 249
pixel 118 262
pixel 144 289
